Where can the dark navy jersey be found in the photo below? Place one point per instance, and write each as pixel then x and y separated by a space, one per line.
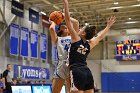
pixel 78 53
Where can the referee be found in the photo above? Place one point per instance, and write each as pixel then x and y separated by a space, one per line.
pixel 8 78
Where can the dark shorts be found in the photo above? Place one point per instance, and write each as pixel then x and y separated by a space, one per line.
pixel 81 78
pixel 8 88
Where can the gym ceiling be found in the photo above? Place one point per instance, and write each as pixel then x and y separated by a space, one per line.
pixel 95 12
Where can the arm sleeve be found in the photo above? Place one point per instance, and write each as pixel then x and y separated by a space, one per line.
pixel 5 73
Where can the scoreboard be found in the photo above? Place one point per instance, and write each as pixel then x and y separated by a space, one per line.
pixel 128 50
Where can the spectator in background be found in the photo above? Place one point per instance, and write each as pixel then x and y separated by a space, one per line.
pixel 31 82
pixel 2 84
pixel 25 81
pixel 7 75
pixel 36 82
pixel 40 82
pixel 43 83
pixel 14 81
pixel 19 82
pixel 28 82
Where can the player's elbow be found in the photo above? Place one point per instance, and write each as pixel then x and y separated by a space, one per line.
pixel 51 28
pixel 76 21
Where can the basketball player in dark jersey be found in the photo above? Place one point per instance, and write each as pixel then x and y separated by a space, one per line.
pixel 81 76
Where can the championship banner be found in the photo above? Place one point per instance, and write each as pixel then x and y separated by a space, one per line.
pixel 24 42
pixel 17 8
pixel 43 46
pixel 45 21
pixel 54 55
pixel 14 39
pixel 29 72
pixel 33 16
pixel 34 44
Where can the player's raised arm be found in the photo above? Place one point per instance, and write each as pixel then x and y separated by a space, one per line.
pixel 95 40
pixel 53 33
pixel 69 24
pixel 75 24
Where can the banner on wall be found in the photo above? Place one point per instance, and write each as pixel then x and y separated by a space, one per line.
pixel 14 39
pixel 43 46
pixel 54 55
pixel 17 8
pixel 33 16
pixel 45 21
pixel 29 72
pixel 24 41
pixel 34 44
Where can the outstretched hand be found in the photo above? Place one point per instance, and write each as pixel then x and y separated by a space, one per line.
pixel 111 21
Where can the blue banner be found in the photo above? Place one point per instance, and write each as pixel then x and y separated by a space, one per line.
pixel 43 46
pixel 54 55
pixel 34 44
pixel 16 71
pixel 24 41
pixel 14 39
pixel 29 72
pixel 33 16
pixel 17 8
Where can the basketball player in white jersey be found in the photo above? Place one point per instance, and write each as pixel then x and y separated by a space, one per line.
pixel 62 40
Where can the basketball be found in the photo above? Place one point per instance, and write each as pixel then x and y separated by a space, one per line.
pixel 57 17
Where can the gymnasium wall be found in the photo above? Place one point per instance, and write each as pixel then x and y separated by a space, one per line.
pixel 120 76
pixel 6 60
pixel 111 42
pixel 95 67
pixel 97 52
pixel 5 57
pixel 115 76
pixel 1 7
pixel 108 46
pixel 4 49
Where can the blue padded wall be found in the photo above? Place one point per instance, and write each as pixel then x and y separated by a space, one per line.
pixel 120 82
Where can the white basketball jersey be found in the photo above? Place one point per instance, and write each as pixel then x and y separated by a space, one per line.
pixel 63 45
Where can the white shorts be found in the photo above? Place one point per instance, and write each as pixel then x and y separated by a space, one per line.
pixel 62 70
